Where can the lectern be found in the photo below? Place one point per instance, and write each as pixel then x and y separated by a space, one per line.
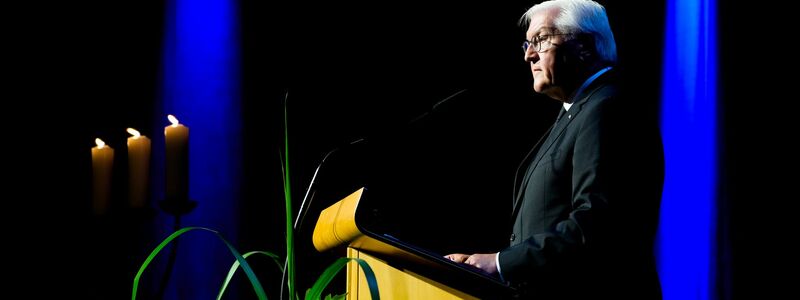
pixel 402 270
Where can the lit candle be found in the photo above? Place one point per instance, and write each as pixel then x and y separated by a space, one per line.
pixel 102 162
pixel 177 161
pixel 138 168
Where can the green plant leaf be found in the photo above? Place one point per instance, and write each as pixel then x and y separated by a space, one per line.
pixel 259 290
pixel 337 297
pixel 287 193
pixel 235 267
pixel 315 292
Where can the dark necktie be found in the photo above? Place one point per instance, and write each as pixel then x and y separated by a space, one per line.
pixel 561 113
pixel 558 119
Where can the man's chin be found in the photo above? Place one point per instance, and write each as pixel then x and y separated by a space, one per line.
pixel 539 88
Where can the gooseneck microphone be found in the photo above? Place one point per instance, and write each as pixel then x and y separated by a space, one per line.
pixel 301 214
pixel 310 191
pixel 435 107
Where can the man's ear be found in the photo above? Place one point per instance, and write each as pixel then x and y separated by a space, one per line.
pixel 585 47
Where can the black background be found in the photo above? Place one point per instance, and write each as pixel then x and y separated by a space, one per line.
pixel 80 70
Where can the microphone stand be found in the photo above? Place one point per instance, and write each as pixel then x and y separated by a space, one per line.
pixel 301 213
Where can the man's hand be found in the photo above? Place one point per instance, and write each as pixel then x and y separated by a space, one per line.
pixel 485 262
pixel 457 257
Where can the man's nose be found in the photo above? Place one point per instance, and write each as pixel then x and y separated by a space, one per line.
pixel 531 56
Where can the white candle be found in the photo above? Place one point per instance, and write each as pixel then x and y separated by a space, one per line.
pixel 177 161
pixel 138 168
pixel 102 163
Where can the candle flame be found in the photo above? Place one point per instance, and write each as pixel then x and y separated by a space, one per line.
pixel 173 119
pixel 100 143
pixel 133 132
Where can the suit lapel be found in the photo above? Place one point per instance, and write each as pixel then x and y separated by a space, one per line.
pixel 556 132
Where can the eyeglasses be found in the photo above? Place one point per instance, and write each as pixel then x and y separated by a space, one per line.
pixel 540 43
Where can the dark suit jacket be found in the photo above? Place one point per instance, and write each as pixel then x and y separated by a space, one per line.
pixel 586 212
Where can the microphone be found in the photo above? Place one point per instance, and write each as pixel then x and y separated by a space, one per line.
pixel 435 107
pixel 301 213
pixel 310 192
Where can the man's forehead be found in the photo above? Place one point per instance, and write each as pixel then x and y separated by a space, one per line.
pixel 538 29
